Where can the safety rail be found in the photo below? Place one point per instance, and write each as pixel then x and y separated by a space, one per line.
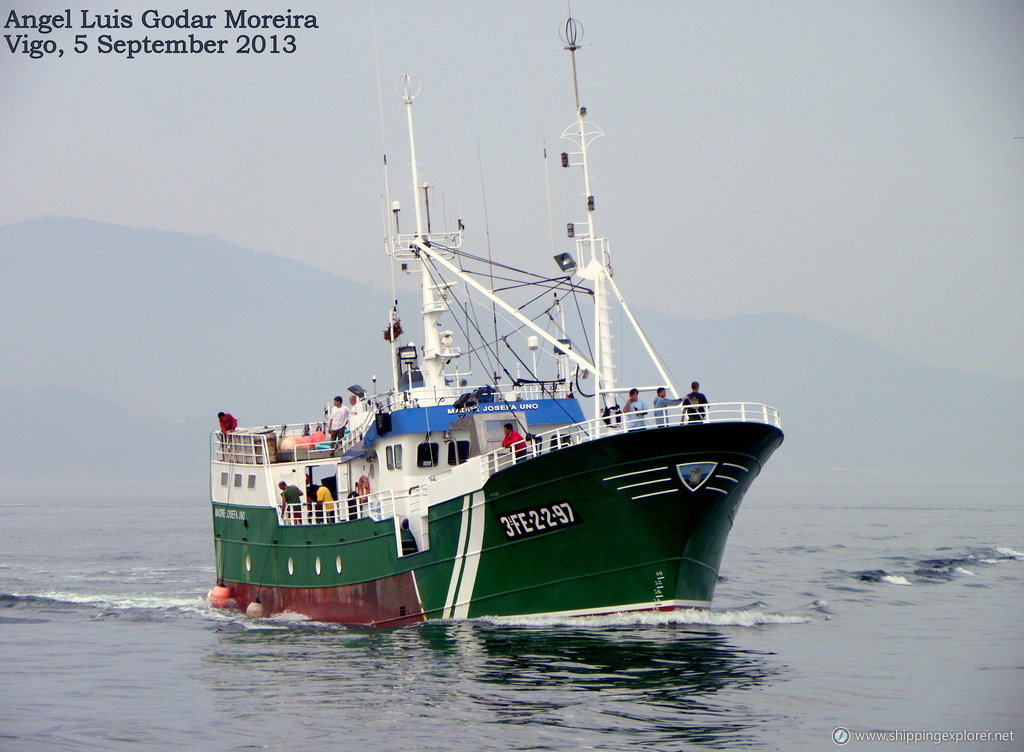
pixel 379 505
pixel 638 420
pixel 266 444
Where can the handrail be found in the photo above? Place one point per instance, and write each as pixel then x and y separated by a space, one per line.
pixel 257 446
pixel 640 420
pixel 379 505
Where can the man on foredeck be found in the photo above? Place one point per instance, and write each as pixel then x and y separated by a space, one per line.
pixel 694 402
pixel 636 410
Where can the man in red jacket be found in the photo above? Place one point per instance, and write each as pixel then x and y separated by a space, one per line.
pixel 514 441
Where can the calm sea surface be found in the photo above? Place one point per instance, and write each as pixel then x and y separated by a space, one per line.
pixel 898 611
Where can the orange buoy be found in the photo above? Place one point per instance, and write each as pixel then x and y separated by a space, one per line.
pixel 318 436
pixel 219 596
pixel 288 442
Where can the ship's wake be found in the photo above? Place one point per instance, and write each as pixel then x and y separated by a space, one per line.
pixel 754 615
pixel 939 568
pixel 100 605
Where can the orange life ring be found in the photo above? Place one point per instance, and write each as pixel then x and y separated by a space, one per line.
pixel 363 488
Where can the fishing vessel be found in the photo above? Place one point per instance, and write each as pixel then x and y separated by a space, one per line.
pixel 502 472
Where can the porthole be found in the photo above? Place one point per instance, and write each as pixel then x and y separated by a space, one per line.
pixel 291 566
pixel 337 564
pixel 317 565
pixel 248 563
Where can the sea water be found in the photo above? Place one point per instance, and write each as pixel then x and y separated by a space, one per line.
pixel 894 612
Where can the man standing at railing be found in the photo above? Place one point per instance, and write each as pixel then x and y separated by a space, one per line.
pixel 338 420
pixel 693 410
pixel 636 410
pixel 227 422
pixel 513 441
pixel 291 503
pixel 660 403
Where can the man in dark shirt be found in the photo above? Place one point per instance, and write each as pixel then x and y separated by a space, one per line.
pixel 693 402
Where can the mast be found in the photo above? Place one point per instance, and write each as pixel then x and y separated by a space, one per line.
pixel 594 261
pixel 434 305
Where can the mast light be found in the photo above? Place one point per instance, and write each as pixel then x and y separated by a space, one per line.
pixel 565 261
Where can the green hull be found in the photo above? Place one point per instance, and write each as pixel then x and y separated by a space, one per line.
pixel 631 522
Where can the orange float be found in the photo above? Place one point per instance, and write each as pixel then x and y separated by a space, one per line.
pixel 363 488
pixel 219 597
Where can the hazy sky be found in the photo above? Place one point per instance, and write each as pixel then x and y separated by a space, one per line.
pixel 859 163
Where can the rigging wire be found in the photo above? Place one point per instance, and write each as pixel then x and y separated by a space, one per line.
pixel 389 244
pixel 543 132
pixel 437 278
pixel 487 232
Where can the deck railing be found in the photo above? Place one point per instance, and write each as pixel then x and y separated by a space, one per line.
pixel 379 505
pixel 257 446
pixel 640 420
pixel 252 446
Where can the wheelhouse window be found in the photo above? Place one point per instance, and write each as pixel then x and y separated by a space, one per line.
pixel 426 454
pixel 389 455
pixel 458 452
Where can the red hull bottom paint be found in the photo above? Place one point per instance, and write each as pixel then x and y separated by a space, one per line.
pixel 377 604
pixel 359 604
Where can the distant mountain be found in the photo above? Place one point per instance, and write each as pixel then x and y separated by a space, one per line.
pixel 122 344
pixel 855 413
pixel 170 326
